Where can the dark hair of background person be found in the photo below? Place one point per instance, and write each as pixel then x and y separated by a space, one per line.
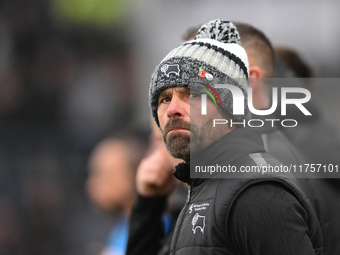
pixel 259 46
pixel 133 140
pixel 295 62
pixel 190 33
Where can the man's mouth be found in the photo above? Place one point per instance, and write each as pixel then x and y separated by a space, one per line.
pixel 176 125
pixel 175 129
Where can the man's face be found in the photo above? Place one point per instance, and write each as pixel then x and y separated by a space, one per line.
pixel 184 131
pixel 111 179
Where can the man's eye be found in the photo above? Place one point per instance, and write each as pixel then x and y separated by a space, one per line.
pixel 194 95
pixel 164 100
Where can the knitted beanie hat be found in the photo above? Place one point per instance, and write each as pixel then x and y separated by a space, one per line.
pixel 214 57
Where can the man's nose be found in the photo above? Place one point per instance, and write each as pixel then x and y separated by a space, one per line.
pixel 176 108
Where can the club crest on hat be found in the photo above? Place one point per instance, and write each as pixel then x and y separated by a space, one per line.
pixel 168 69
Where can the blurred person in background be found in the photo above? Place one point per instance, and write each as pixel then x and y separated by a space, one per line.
pixel 324 148
pixel 110 184
pixel 261 58
pixel 319 141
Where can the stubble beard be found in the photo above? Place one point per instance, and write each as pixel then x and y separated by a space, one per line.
pixel 177 143
pixel 181 145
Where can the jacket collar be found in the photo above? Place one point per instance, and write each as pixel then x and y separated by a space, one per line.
pixel 236 144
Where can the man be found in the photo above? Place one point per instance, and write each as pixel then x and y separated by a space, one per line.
pixel 324 148
pixel 110 184
pixel 224 215
pixel 261 58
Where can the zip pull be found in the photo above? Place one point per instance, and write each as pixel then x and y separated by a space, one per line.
pixel 189 194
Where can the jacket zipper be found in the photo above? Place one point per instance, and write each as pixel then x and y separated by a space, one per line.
pixel 189 194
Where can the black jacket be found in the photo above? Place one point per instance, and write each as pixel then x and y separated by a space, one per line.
pixel 146 231
pixel 280 193
pixel 277 144
pixel 318 140
pixel 251 214
pixel 324 195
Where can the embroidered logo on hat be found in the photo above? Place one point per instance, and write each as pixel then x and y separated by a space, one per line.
pixel 168 69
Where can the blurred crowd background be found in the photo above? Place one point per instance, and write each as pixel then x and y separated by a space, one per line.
pixel 73 72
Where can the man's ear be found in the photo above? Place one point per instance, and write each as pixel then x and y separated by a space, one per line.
pixel 255 75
